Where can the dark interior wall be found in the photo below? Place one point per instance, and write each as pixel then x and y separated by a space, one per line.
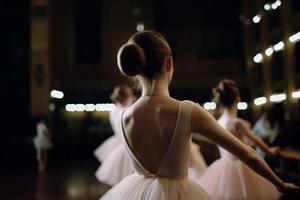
pixel 14 73
pixel 87 29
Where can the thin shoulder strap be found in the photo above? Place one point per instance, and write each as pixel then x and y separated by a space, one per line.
pixel 183 116
pixel 187 114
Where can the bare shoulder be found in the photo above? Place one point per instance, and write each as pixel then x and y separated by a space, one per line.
pixel 147 105
pixel 241 124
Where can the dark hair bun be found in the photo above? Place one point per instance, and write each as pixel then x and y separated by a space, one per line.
pixel 226 92
pixel 131 59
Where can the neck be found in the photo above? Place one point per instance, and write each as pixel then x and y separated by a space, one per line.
pixel 231 111
pixel 157 87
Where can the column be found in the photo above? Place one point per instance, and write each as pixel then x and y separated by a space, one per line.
pixel 40 67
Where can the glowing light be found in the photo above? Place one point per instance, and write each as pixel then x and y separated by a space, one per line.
pixel 256 19
pixel 269 51
pixel 242 106
pixel 210 105
pixel 295 37
pixel 102 107
pixel 89 107
pixel 296 94
pixel 267 7
pixel 277 97
pixel 274 6
pixel 70 107
pixel 79 107
pixel 140 27
pixel 57 94
pixel 258 58
pixel 260 101
pixel 278 3
pixel 279 46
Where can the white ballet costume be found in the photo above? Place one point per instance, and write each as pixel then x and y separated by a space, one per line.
pixel 41 141
pixel 115 164
pixel 229 179
pixel 102 152
pixel 197 164
pixel 170 182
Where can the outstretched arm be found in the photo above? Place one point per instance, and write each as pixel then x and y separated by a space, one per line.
pixel 243 129
pixel 202 122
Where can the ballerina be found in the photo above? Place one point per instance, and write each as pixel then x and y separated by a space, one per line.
pixel 122 96
pixel 156 130
pixel 197 164
pixel 112 155
pixel 228 178
pixel 42 143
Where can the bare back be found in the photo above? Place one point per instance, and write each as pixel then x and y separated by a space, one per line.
pixel 149 125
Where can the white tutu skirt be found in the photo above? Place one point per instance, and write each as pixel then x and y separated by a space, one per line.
pixel 137 187
pixel 197 164
pixel 115 167
pixel 107 147
pixel 228 179
pixel 42 142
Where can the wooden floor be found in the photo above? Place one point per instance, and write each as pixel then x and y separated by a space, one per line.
pixel 69 182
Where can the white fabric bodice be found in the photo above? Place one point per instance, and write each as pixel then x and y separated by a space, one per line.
pixel 230 125
pixel 40 129
pixel 113 119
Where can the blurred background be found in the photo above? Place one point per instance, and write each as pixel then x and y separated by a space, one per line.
pixel 58 59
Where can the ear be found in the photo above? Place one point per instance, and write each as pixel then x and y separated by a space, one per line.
pixel 169 63
pixel 238 99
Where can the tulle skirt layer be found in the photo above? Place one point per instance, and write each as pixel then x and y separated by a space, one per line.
pixel 197 164
pixel 42 142
pixel 137 187
pixel 107 147
pixel 229 179
pixel 115 167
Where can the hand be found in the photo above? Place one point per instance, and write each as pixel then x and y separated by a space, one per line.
pixel 289 188
pixel 274 150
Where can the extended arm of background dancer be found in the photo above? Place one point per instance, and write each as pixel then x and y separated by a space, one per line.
pixel 213 131
pixel 243 129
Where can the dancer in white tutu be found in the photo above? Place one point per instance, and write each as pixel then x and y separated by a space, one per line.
pixel 156 130
pixel 42 143
pixel 112 154
pixel 228 178
pixel 122 96
pixel 197 164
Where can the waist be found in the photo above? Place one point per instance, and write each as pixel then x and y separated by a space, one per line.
pixel 173 178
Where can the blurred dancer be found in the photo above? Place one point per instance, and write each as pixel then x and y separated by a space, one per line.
pixel 197 164
pixel 228 178
pixel 122 96
pixel 262 128
pixel 156 130
pixel 42 143
pixel 112 155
